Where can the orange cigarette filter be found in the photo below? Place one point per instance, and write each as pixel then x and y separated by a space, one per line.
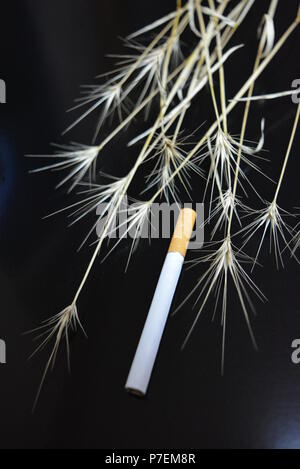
pixel 183 231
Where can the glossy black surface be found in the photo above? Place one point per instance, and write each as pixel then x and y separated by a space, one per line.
pixel 47 50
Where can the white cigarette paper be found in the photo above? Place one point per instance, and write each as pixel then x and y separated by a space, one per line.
pixel 142 365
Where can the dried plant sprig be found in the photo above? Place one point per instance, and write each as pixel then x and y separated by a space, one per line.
pixel 270 218
pixel 113 95
pixel 222 207
pixel 191 94
pixel 259 70
pixel 57 328
pixel 224 263
pixel 225 257
pixel 176 89
pixel 229 108
pixel 79 159
pixel 260 54
pixel 195 87
pixel 169 154
pixel 223 151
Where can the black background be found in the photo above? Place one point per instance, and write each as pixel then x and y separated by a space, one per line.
pixel 47 50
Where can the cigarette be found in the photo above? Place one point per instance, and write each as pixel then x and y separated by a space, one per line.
pixel 143 362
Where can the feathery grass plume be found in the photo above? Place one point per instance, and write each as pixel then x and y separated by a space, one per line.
pixel 94 195
pixel 224 263
pixel 137 219
pixel 197 85
pixel 159 76
pixel 223 151
pixel 270 218
pixel 57 328
pixel 78 159
pixel 169 154
pixel 222 207
pixel 225 259
pixel 132 70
